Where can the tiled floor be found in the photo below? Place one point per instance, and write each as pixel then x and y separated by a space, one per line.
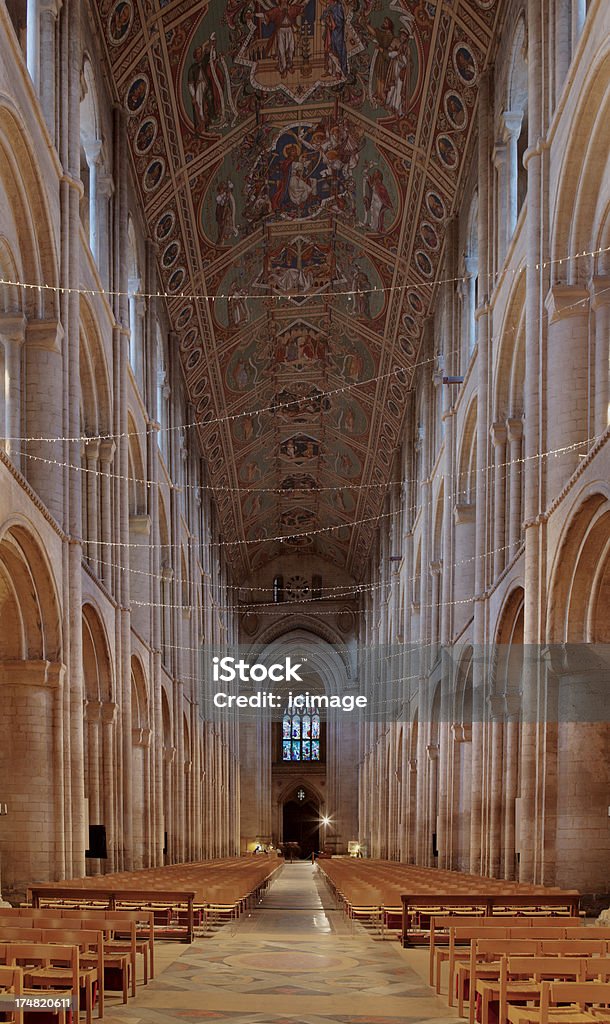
pixel 294 960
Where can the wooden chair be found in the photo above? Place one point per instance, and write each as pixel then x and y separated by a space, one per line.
pixel 579 995
pixel 485 964
pixel 91 961
pixel 44 968
pixel 11 984
pixel 512 988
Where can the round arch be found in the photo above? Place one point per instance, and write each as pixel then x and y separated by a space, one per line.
pixel 21 178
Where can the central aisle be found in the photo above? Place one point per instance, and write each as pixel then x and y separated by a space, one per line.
pixel 293 960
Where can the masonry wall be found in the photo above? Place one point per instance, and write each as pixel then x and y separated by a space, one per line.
pixel 499 764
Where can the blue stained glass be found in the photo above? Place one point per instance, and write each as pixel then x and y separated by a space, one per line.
pixel 315 727
pixel 286 756
pixel 306 734
pixel 296 727
pixel 286 727
pixel 306 750
pixel 315 750
pixel 296 750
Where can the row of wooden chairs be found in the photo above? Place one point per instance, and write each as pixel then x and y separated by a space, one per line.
pixel 375 891
pixel 507 969
pixel 217 891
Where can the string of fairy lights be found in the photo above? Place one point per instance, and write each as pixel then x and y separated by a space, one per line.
pixel 199 296
pixel 341 591
pixel 275 406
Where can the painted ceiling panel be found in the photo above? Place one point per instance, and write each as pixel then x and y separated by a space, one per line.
pixel 297 163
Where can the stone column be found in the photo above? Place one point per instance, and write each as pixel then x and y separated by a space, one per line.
pixel 496 818
pixel 500 161
pixel 512 123
pixel 510 784
pixel 33 42
pixel 579 14
pixel 92 451
pixel 105 191
pixel 432 752
pixel 498 439
pixel 12 333
pixel 49 11
pixel 93 150
pixel 514 434
pixel 105 555
pixel 535 435
pixel 109 776
pixel 600 303
pixel 563 17
pixel 436 569
pixel 483 459
pixel 44 415
pixel 93 718
pixel 567 393
pixel 471 264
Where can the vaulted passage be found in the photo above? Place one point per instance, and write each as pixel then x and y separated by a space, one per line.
pixel 304 474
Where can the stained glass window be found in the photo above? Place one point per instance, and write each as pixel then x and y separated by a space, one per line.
pixel 300 735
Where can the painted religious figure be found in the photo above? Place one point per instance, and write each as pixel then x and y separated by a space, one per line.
pixel 296 46
pixel 334 39
pixel 376 198
pixel 225 212
pixel 282 20
pixel 238 312
pixel 392 75
pixel 210 88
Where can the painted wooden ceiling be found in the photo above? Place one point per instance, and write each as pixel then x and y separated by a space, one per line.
pixel 297 163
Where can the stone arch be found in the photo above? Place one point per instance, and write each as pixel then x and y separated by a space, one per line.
pixel 311 628
pixel 509 369
pixel 30 596
pixel 579 608
pixel 467 459
pixel 94 377
pixel 21 179
pixel 137 477
pixel 577 667
pixel 461 762
pixel 97 663
pixel 141 734
pixel 99 713
pixel 584 173
pixel 31 681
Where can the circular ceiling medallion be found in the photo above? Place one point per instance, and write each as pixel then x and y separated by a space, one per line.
pixel 447 153
pixel 176 280
pixel 184 318
pixel 119 22
pixel 465 64
pixel 153 175
pixel 424 264
pixel 435 205
pixel 165 225
pixel 170 255
pixel 147 133
pixel 455 110
pixel 137 94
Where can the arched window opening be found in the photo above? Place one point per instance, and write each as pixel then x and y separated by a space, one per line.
pixel 515 128
pixel 163 393
pixel 471 281
pixel 90 157
pixel 136 310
